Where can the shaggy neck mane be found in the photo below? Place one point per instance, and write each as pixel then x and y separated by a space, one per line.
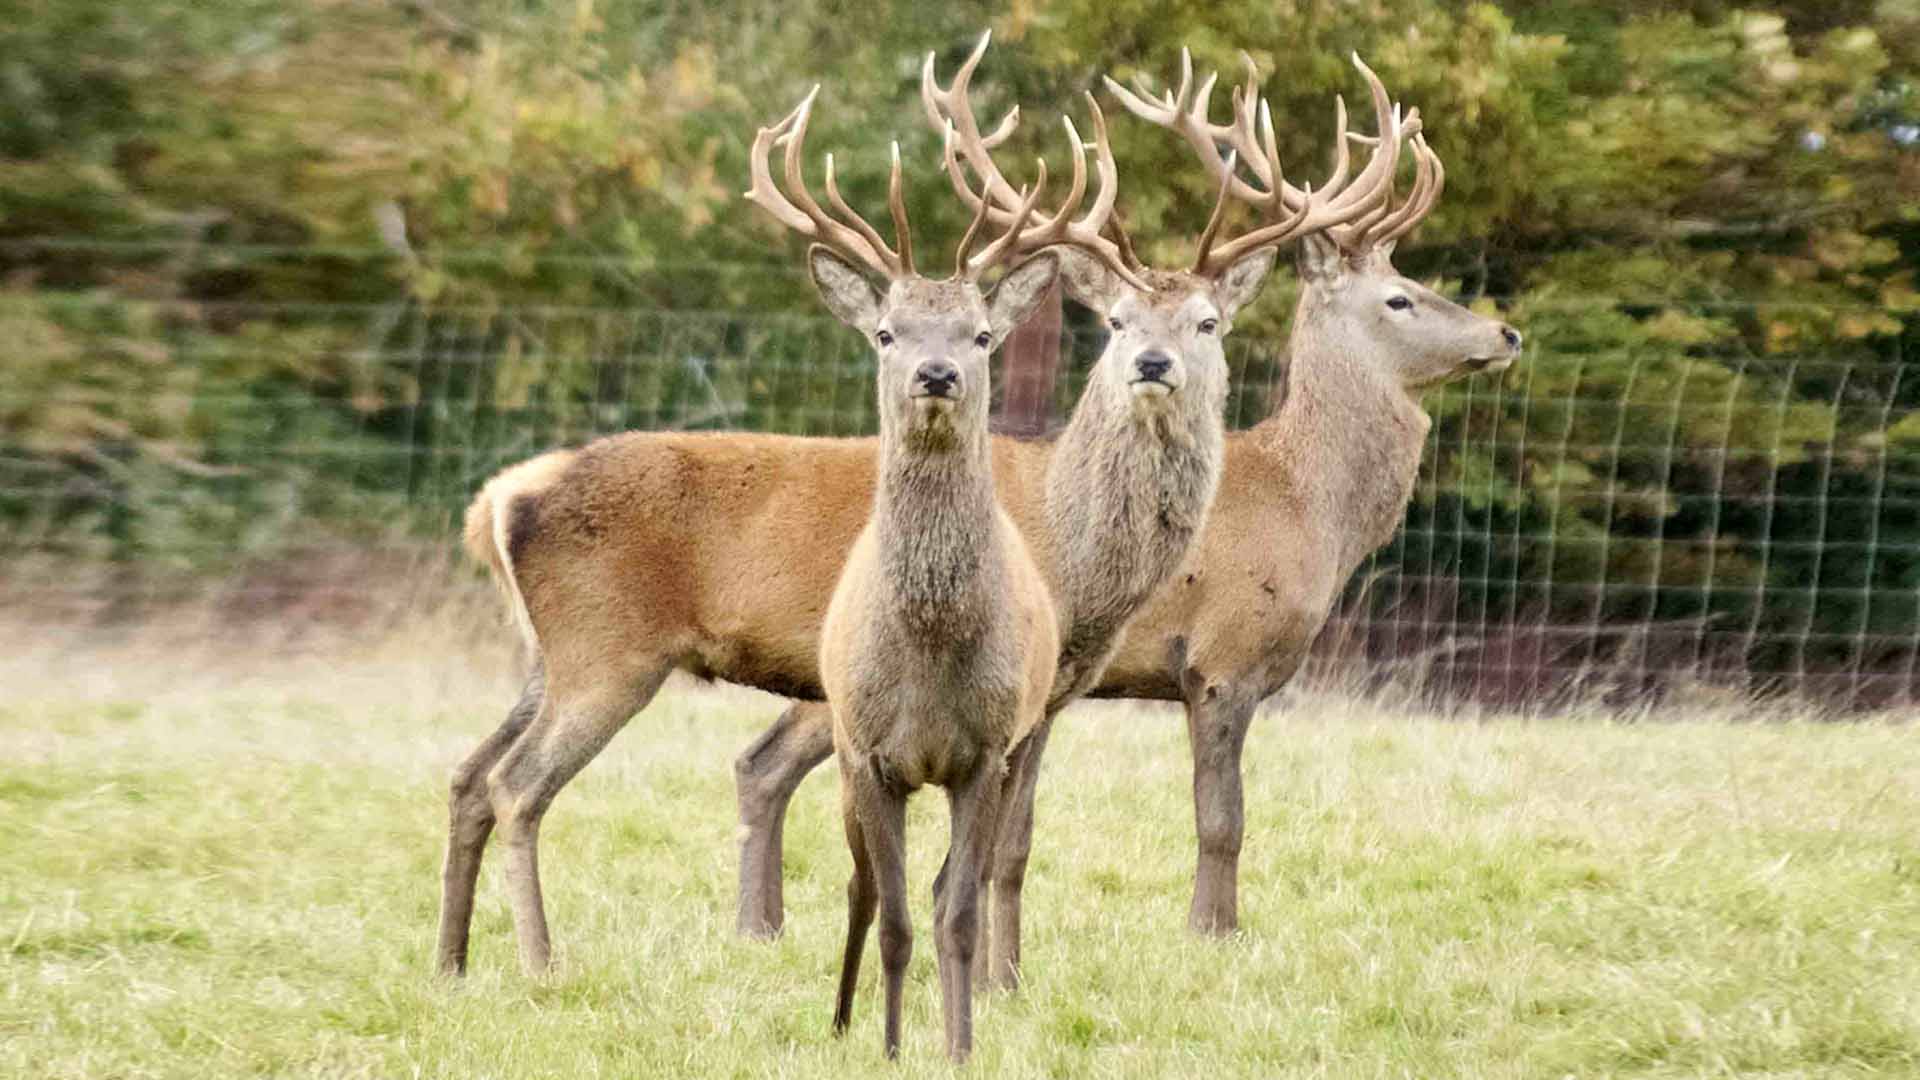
pixel 1126 496
pixel 934 512
pixel 1349 437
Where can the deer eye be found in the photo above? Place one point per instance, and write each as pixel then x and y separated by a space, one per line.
pixel 1115 323
pixel 885 339
pixel 1208 326
pixel 985 340
pixel 1399 303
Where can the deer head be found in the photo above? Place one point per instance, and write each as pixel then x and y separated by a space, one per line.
pixel 931 337
pixel 1166 349
pixel 1409 333
pixel 1352 293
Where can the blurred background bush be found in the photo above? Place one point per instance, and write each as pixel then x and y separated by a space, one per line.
pixel 281 282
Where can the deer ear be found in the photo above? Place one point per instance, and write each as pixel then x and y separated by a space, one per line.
pixel 1241 282
pixel 849 295
pixel 1017 294
pixel 1091 282
pixel 1319 258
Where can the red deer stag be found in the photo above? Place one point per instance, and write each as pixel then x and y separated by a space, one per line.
pixel 937 653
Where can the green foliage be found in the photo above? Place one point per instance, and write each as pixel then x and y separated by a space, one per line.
pixel 267 259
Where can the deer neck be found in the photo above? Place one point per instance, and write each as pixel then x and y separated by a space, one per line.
pixel 1126 495
pixel 1347 434
pixel 934 516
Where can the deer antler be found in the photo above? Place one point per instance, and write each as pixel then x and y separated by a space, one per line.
pixel 1000 202
pixel 1384 226
pixel 853 237
pixel 1249 139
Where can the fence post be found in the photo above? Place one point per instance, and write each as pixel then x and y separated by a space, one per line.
pixel 1029 368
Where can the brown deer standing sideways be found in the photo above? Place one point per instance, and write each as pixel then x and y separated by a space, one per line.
pixel 937 652
pixel 1306 494
pixel 717 553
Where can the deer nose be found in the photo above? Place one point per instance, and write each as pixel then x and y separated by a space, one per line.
pixel 1153 365
pixel 937 377
pixel 1511 337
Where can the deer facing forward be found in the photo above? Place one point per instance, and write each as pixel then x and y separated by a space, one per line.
pixel 938 648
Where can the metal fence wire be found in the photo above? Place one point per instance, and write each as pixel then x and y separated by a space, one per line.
pixel 1594 522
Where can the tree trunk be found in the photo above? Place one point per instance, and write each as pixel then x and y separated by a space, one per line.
pixel 1029 370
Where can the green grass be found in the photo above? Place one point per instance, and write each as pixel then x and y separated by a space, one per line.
pixel 207 879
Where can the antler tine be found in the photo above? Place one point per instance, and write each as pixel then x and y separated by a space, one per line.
pixel 797 209
pixel 956 173
pixel 1007 244
pixel 867 232
pixel 897 209
pixel 1184 113
pixel 1376 179
pixel 826 229
pixel 1268 160
pixel 953 106
pixel 1122 242
pixel 859 239
pixel 1255 142
pixel 1311 215
pixel 1433 193
pixel 1061 227
pixel 1342 154
pixel 1335 190
pixel 1429 178
pixel 1359 213
pixel 1249 140
pixel 762 191
pixel 1102 209
pixel 980 208
pixel 1000 203
pixel 1056 226
pixel 1202 260
pixel 1385 222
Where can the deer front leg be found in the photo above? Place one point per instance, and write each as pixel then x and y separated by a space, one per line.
pixel 883 828
pixel 765 776
pixel 1012 845
pixel 863 897
pixel 974 807
pixel 1217 722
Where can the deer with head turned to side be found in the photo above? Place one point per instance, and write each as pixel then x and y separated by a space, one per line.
pixel 1305 495
pixel 1310 491
pixel 937 652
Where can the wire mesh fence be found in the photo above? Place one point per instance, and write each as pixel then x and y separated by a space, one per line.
pixel 1605 522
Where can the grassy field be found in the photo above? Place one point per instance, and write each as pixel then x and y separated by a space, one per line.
pixel 206 873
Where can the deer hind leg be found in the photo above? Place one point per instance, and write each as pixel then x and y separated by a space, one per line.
pixel 863 897
pixel 882 809
pixel 1013 844
pixel 983 938
pixel 1217 723
pixel 470 822
pixel 765 777
pixel 573 726
pixel 975 810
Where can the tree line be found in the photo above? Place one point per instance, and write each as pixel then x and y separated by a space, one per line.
pixel 267 263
